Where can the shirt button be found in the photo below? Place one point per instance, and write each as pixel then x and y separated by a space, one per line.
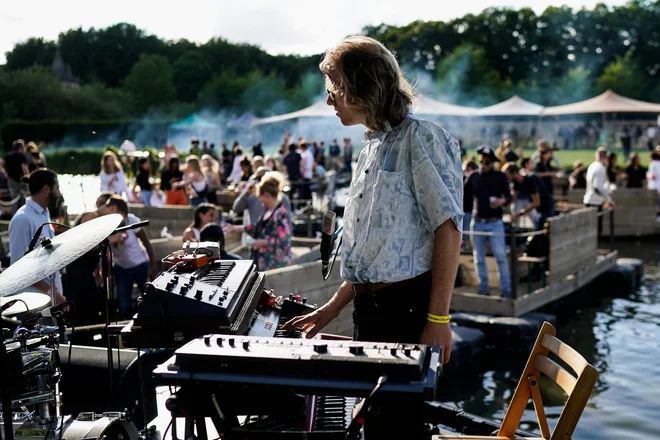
pixel 360 195
pixel 354 244
pixel 358 220
pixel 366 171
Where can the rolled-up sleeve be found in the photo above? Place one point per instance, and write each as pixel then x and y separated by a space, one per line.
pixel 437 180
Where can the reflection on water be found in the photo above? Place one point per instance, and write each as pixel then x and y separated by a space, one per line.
pixel 620 336
pixel 79 192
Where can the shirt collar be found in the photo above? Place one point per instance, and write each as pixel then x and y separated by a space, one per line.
pixel 35 206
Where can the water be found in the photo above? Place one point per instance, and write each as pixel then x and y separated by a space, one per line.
pixel 620 336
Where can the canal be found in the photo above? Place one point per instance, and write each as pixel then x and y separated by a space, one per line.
pixel 619 333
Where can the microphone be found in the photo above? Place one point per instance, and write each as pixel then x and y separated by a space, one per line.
pixel 55 311
pixel 327 237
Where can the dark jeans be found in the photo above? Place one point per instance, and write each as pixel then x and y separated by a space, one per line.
pixel 600 217
pixel 124 279
pixel 396 313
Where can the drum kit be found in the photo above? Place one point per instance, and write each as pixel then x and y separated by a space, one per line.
pixel 31 399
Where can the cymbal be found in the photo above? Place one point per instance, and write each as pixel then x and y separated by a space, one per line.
pixel 65 249
pixel 35 301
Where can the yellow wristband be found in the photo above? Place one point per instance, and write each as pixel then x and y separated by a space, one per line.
pixel 437 319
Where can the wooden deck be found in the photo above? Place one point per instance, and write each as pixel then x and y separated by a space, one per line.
pixel 574 261
pixel 465 298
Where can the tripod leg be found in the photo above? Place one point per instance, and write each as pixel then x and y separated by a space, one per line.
pixel 201 428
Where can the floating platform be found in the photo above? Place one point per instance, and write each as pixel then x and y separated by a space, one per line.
pixel 574 261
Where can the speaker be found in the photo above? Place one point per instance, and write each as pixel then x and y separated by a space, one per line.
pixel 85 383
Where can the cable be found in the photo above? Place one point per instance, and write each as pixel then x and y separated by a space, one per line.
pixel 167 429
pixel 142 391
pixel 333 259
pixel 27 309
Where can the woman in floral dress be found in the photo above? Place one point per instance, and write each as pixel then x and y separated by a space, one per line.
pixel 271 247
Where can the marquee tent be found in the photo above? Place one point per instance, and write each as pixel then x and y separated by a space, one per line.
pixel 424 106
pixel 608 102
pixel 514 106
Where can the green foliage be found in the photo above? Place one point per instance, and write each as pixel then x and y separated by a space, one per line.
pixel 191 72
pixel 625 77
pixel 74 160
pixel 151 82
pixel 80 133
pixel 33 51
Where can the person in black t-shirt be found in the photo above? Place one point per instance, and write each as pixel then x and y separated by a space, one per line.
pixel 635 173
pixel 489 190
pixel 17 167
pixel 532 187
pixel 469 166
pixel 142 180
pixel 544 168
pixel 293 162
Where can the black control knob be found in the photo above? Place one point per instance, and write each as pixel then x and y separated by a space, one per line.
pixel 406 351
pixel 175 279
pixel 291 296
pixel 246 345
pixel 393 351
pixel 232 341
pixel 207 341
pixel 198 295
pixel 218 342
pixel 321 348
pixel 356 350
pixel 304 300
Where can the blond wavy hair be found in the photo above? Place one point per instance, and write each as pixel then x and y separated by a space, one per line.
pixel 369 79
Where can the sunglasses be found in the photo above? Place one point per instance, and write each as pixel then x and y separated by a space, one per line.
pixel 332 95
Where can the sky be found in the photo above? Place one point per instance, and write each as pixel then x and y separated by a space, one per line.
pixel 278 26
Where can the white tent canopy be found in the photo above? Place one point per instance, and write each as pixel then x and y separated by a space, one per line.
pixel 424 106
pixel 514 106
pixel 608 102
pixel 428 106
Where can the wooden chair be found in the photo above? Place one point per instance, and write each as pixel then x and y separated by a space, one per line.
pixel 578 386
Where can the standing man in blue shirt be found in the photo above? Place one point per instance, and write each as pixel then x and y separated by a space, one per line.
pixel 489 188
pixel 404 212
pixel 44 190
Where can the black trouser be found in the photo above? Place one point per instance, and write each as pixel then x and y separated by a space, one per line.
pixel 600 217
pixel 395 313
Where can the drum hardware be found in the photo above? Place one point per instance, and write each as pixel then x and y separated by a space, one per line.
pixel 30 360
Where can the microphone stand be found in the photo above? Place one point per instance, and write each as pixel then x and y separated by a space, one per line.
pixel 108 288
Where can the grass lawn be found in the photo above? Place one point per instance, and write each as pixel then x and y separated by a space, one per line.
pixel 568 157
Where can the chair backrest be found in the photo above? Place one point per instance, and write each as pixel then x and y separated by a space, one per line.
pixel 578 386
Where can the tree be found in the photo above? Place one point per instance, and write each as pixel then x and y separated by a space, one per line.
pixel 151 82
pixel 575 86
pixel 191 72
pixel 34 51
pixel 466 76
pixel 624 76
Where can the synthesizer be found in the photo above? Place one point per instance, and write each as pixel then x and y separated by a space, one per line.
pixel 225 297
pixel 311 366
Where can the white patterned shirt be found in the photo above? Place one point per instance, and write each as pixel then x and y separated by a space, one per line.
pixel 408 181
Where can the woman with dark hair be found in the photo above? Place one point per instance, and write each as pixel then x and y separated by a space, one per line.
pixel 613 169
pixel 544 168
pixel 204 214
pixel 271 247
pixel 142 180
pixel 635 173
pixel 171 181
pixel 246 169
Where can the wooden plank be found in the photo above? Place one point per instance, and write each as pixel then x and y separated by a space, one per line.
pixel 465 301
pixel 555 372
pixel 566 353
pixel 557 290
